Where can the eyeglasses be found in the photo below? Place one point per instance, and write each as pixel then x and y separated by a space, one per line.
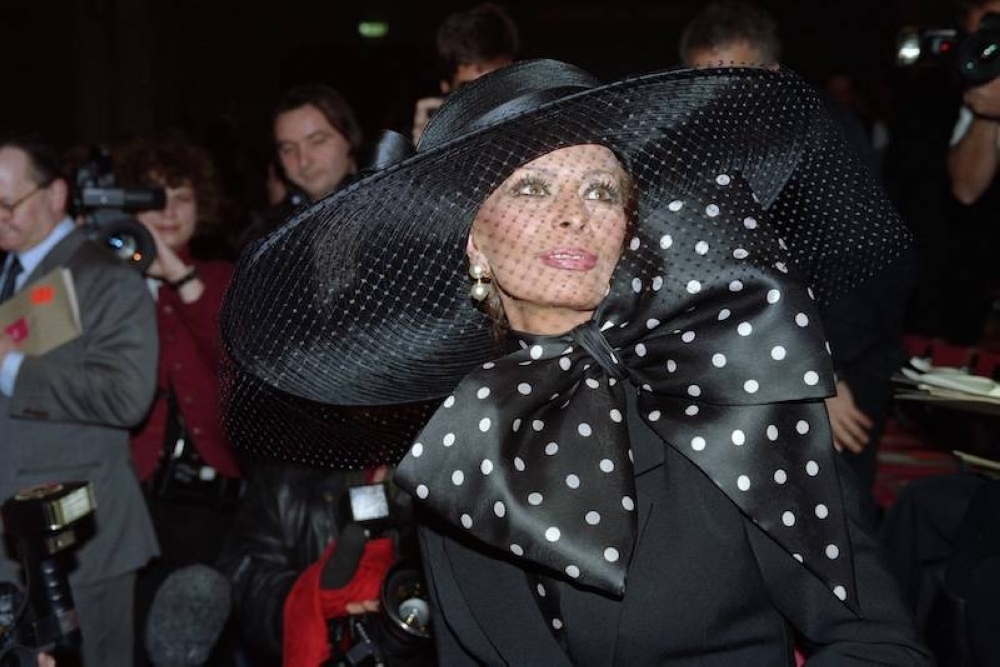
pixel 11 208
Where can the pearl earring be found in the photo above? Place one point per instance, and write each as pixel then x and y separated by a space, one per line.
pixel 481 288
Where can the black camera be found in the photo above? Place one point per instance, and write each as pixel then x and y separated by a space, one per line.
pixel 401 630
pixel 975 57
pixel 45 523
pixel 106 208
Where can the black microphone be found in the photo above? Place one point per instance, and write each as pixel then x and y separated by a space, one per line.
pixel 343 562
pixel 189 612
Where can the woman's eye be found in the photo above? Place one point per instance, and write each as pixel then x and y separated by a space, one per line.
pixel 603 192
pixel 532 189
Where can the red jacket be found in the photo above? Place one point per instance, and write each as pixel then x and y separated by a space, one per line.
pixel 189 360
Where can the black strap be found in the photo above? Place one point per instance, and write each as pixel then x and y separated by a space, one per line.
pixel 10 279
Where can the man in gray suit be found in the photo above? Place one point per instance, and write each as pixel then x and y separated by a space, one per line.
pixel 65 415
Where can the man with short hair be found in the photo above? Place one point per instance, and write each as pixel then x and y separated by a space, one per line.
pixel 731 32
pixel 65 415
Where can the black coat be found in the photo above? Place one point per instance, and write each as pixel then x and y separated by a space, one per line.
pixel 705 587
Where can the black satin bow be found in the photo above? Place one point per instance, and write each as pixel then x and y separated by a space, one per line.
pixel 530 454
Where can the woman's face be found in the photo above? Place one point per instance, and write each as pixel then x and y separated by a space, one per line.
pixel 550 237
pixel 176 223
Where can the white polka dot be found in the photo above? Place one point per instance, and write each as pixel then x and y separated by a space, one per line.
pixel 572 481
pixel 524 388
pixel 640 350
pixel 722 179
pixel 798 557
pixel 634 244
pixel 593 518
pixel 636 285
pixel 840 592
pixel 551 449
pixel 484 424
pixel 666 241
pixel 788 519
pixel 557 624
pixel 450 401
pixel 802 426
pixel 541 590
pixel 552 534
pixel 572 571
pixel 810 378
pixel 780 476
pixel 537 424
pixel 718 360
pixel 812 468
pixel 519 463
pixel 592 383
pixel 751 386
pixel 584 429
pixel 736 286
pixel 535 498
pixel 773 296
pixel 822 511
pixel 687 336
pixel 607 465
pixel 422 491
pixel 698 443
pixel 743 483
pixel 654 415
pixel 740 253
pixel 466 521
pixel 691 410
pixel 489 365
pixel 417 450
pixel 657 283
pixel 486 467
pixel 671 365
pixel 517 549
pixel 739 437
pixel 781 267
pixel 457 477
pixel 611 555
pixel 499 509
pixel 694 390
pixel 627 503
pixel 565 363
pixel 616 416
pixel 782 244
pixel 535 352
pixel 712 210
pixel 448 440
pixel 832 552
pixel 516 424
pixel 744 329
pixel 809 291
pixel 724 314
pixel 802 320
pixel 652 323
pixel 693 287
pixel 701 248
pixel 675 205
pixel 749 223
pixel 772 432
pixel 778 353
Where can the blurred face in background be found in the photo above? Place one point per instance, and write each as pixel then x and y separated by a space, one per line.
pixel 466 72
pixel 176 223
pixel 739 53
pixel 315 155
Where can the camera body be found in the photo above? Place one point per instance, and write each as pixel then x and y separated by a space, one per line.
pixel 106 210
pixel 402 627
pixel 975 58
pixel 46 523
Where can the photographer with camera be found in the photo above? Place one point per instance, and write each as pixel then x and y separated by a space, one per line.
pixel 65 415
pixel 304 571
pixel 975 143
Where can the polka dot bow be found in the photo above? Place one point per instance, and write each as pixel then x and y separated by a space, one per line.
pixel 530 453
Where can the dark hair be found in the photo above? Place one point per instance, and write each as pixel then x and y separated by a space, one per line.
pixel 44 162
pixel 963 7
pixel 725 22
pixel 478 35
pixel 330 103
pixel 173 162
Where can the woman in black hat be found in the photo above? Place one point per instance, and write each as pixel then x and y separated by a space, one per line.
pixel 605 295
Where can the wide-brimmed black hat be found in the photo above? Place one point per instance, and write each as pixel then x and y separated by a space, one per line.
pixel 346 328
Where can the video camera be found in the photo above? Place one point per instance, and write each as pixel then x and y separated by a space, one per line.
pixel 402 627
pixel 45 523
pixel 106 210
pixel 975 57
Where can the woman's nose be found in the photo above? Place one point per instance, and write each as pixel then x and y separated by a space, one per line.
pixel 572 213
